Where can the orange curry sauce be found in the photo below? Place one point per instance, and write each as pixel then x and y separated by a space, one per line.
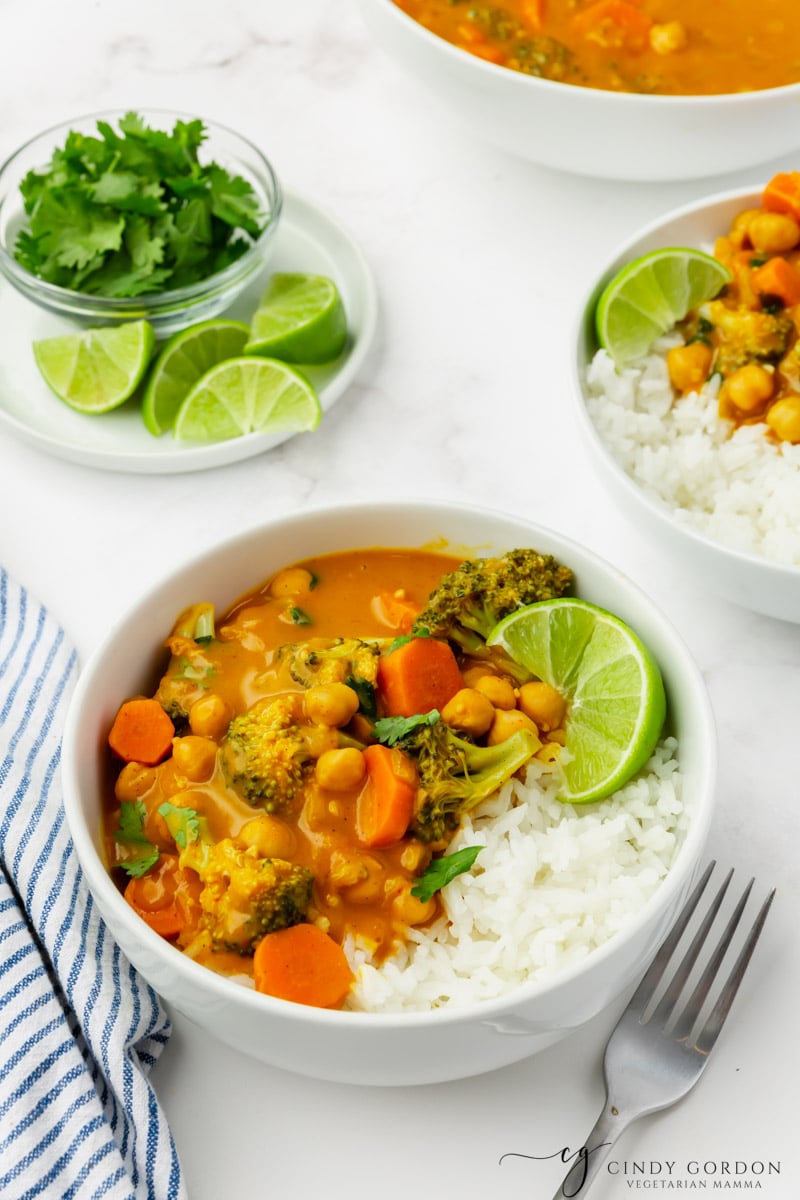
pixel 667 47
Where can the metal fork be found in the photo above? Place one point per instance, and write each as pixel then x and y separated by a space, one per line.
pixel 660 1045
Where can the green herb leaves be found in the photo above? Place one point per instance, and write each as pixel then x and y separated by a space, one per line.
pixel 141 854
pixel 391 730
pixel 441 871
pixel 134 212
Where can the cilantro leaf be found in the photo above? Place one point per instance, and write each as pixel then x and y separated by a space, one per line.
pixel 405 638
pixel 183 823
pixel 440 871
pixel 141 854
pixel 299 616
pixel 366 695
pixel 391 730
pixel 134 211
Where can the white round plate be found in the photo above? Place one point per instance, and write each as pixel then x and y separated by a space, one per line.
pixel 307 240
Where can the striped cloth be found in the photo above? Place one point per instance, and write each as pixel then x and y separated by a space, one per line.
pixel 79 1029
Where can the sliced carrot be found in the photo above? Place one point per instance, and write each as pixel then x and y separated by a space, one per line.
pixel 165 897
pixel 142 732
pixel 778 278
pixel 396 612
pixel 782 194
pixel 385 804
pixel 614 23
pixel 418 676
pixel 304 965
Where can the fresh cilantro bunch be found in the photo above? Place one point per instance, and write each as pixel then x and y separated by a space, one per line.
pixel 133 212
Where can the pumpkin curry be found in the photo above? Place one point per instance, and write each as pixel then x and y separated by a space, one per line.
pixel 666 47
pixel 298 773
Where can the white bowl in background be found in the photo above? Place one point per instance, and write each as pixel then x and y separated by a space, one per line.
pixel 609 135
pixel 376 1048
pixel 755 582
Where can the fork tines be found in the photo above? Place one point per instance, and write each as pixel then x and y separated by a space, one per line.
pixel 681 1022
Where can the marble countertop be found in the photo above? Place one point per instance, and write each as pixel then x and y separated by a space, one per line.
pixel 480 261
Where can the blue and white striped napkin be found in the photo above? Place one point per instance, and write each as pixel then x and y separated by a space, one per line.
pixel 79 1028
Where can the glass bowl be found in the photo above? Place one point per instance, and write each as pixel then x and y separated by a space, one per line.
pixel 167 311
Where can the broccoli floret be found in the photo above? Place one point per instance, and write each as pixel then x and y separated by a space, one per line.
pixel 245 896
pixel 264 753
pixel 455 775
pixel 469 601
pixel 331 660
pixel 745 336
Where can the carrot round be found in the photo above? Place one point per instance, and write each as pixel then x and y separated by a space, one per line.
pixel 778 278
pixel 160 897
pixel 385 804
pixel 304 965
pixel 142 732
pixel 420 675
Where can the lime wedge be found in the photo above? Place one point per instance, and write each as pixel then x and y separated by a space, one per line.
pixel 183 360
pixel 96 370
pixel 300 319
pixel 247 395
pixel 614 690
pixel 650 294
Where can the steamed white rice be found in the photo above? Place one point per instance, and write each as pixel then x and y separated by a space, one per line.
pixel 551 883
pixel 735 485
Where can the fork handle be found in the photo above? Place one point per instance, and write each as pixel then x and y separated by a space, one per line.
pixel 593 1154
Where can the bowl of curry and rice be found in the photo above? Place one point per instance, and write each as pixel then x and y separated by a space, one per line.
pixel 332 812
pixel 619 89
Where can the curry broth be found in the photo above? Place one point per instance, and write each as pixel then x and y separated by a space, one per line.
pixel 350 594
pixel 668 47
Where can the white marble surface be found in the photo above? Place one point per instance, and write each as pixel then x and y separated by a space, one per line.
pixel 480 261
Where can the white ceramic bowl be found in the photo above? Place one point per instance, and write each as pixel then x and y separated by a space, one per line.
pixel 612 135
pixel 752 581
pixel 411 1048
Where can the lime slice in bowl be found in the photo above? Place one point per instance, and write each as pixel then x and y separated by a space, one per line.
pixel 300 319
pixel 247 395
pixel 184 359
pixel 613 687
pixel 650 294
pixel 98 369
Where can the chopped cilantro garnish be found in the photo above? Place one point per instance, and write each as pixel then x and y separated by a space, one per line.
pixel 406 637
pixel 391 730
pixel 440 871
pixel 366 695
pixel 134 211
pixel 141 854
pixel 183 823
pixel 299 616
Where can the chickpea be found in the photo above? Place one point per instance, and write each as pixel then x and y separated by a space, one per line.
pixel 362 876
pixel 340 770
pixel 269 836
pixel 549 752
pixel 506 723
pixel 497 690
pixel 689 366
pixel 784 419
pixel 472 674
pixel 410 909
pixel 194 757
pixel 209 716
pixel 319 739
pixel 134 781
pixel 544 704
pixel 749 388
pixel 331 704
pixel 415 856
pixel 739 234
pixel 294 581
pixel 668 37
pixel 470 711
pixel 774 233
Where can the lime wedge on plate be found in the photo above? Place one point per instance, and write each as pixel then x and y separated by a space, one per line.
pixel 614 690
pixel 300 319
pixel 184 359
pixel 99 369
pixel 247 395
pixel 650 294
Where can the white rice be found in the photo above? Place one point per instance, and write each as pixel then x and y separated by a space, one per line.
pixel 734 485
pixel 552 882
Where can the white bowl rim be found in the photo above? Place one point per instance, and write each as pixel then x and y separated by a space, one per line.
pixel 172 297
pixel 584 319
pixel 224 989
pixel 728 99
